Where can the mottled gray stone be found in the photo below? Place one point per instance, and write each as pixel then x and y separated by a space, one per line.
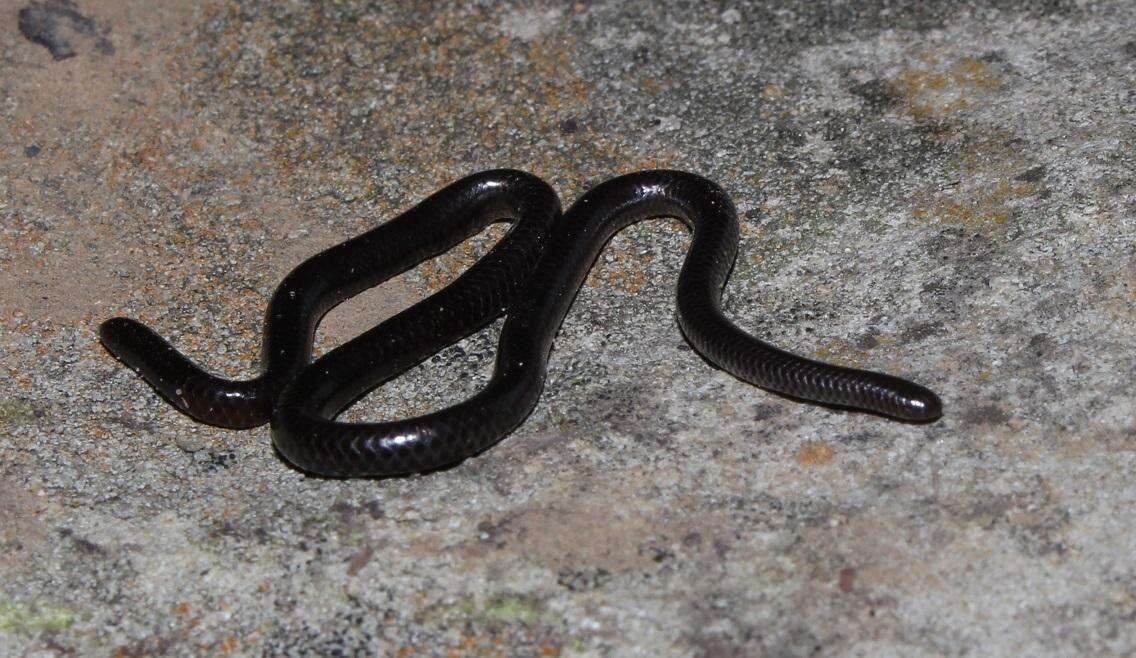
pixel 942 190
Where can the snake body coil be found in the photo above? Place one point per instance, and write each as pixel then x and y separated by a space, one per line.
pixel 532 274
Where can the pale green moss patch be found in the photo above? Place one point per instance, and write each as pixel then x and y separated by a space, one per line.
pixel 18 617
pixel 514 608
pixel 15 412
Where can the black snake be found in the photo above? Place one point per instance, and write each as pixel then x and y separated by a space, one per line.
pixel 531 275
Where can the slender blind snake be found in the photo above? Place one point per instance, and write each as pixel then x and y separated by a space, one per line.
pixel 531 276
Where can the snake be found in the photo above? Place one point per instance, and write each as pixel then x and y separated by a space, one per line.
pixel 531 276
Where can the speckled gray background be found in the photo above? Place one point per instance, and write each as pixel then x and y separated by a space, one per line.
pixel 944 190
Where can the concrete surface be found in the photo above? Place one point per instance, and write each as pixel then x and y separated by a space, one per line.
pixel 944 190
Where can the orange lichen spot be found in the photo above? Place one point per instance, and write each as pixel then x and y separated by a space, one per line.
pixel 985 205
pixel 228 644
pixel 250 224
pixel 814 453
pixel 918 80
pixel 934 93
pixel 772 92
pixel 974 73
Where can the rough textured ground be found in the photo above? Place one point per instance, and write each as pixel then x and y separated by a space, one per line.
pixel 944 190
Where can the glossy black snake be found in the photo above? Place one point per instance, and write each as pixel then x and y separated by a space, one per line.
pixel 531 275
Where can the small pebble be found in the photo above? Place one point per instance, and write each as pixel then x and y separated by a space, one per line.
pixel 190 443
